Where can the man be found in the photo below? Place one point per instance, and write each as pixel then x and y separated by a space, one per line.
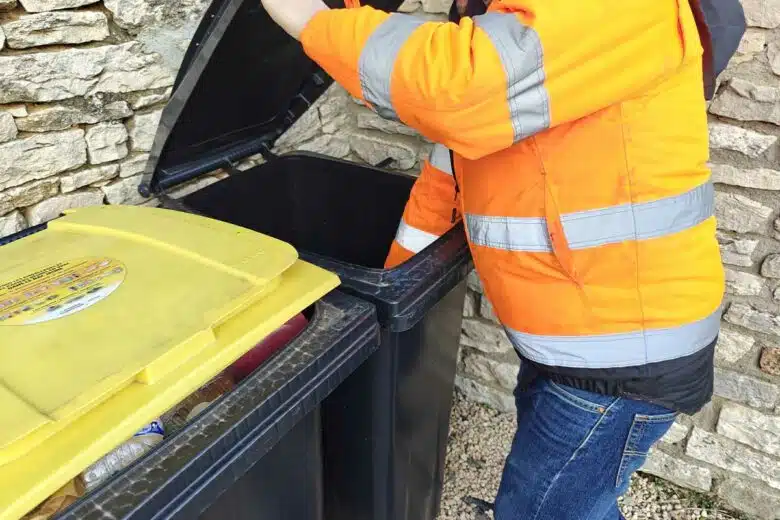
pixel 578 133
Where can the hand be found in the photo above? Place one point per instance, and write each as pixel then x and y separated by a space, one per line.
pixel 293 15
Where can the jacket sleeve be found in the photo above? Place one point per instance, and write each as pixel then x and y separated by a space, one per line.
pixel 431 211
pixel 527 65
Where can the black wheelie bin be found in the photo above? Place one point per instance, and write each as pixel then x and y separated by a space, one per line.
pixel 124 312
pixel 385 429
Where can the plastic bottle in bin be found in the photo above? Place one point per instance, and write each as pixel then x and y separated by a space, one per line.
pixel 247 363
pixel 125 454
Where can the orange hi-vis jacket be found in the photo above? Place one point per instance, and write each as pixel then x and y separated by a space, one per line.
pixel 432 210
pixel 579 136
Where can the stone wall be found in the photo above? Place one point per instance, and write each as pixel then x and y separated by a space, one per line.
pixel 82 84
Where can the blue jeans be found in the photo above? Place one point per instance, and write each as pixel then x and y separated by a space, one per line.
pixel 574 453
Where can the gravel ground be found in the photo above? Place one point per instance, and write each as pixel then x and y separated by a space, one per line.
pixel 479 441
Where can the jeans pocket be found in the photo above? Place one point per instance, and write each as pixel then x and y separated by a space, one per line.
pixel 582 399
pixel 645 431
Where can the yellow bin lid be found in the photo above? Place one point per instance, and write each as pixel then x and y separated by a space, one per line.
pixel 111 316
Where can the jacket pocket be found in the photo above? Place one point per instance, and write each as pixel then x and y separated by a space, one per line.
pixel 559 243
pixel 646 430
pixel 557 235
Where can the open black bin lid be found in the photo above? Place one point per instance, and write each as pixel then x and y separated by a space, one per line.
pixel 243 82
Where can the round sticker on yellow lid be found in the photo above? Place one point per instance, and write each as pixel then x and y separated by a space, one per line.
pixel 59 290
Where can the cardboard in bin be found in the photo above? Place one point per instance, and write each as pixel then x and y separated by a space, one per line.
pixel 111 315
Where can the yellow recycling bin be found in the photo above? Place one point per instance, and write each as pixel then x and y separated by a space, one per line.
pixel 112 315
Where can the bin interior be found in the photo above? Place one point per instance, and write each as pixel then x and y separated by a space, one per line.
pixel 331 208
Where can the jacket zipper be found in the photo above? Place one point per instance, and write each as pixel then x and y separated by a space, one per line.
pixel 457 188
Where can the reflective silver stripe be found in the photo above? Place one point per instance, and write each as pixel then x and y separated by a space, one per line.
pixel 509 233
pixel 413 239
pixel 598 227
pixel 440 159
pixel 520 51
pixel 618 350
pixel 377 60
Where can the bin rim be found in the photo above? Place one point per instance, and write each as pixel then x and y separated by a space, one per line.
pixel 189 142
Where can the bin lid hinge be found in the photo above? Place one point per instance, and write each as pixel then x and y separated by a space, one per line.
pixel 267 153
pixel 230 166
